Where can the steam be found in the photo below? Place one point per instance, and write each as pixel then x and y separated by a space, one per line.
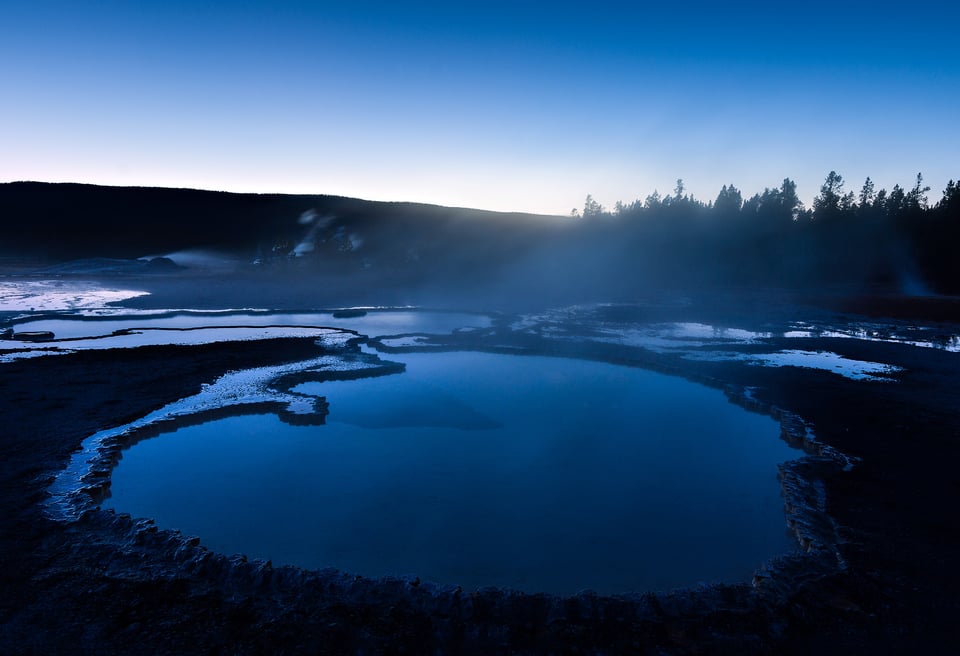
pixel 204 260
pixel 912 284
pixel 318 226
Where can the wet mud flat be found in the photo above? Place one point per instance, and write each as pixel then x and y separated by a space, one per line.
pixel 111 584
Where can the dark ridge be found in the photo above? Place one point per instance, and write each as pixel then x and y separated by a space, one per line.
pixel 64 221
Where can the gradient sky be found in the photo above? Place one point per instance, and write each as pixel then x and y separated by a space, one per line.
pixel 498 105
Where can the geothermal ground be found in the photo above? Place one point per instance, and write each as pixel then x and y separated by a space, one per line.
pixel 869 391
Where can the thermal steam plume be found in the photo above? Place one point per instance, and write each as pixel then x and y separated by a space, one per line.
pixel 317 226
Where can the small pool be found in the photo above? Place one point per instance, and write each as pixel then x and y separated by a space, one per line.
pixel 476 469
pixel 373 323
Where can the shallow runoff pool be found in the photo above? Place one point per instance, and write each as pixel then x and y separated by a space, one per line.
pixel 533 473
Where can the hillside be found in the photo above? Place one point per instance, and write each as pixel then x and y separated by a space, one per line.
pixel 60 222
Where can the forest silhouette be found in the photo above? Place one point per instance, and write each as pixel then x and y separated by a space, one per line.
pixel 873 239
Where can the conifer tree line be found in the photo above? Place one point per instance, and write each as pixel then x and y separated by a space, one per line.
pixel 896 240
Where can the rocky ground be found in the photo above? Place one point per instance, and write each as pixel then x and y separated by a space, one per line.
pixel 880 577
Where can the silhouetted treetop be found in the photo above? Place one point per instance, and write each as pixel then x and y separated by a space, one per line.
pixel 729 201
pixel 867 193
pixel 951 198
pixel 916 198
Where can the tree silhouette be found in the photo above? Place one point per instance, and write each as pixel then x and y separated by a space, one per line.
pixel 896 201
pixel 916 198
pixel 591 208
pixel 950 203
pixel 827 205
pixel 729 201
pixel 788 202
pixel 867 194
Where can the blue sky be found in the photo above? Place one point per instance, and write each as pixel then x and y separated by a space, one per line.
pixel 499 105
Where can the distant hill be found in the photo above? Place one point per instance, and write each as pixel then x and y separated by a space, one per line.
pixel 62 222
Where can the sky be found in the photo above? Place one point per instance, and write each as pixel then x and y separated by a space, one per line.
pixel 497 105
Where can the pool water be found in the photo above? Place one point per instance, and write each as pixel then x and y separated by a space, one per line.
pixel 533 473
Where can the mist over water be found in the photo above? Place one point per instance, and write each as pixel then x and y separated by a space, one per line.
pixel 314 251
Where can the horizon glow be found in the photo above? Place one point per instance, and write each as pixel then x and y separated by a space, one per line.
pixel 503 106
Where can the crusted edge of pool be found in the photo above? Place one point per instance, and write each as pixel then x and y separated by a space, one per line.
pixel 85 481
pixel 77 502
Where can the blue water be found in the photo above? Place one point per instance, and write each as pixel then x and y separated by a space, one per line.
pixel 472 469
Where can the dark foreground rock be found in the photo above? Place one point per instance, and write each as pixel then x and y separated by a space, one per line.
pixel 878 577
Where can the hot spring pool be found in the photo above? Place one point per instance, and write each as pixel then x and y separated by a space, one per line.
pixel 476 469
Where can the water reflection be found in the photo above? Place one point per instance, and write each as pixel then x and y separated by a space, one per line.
pixel 373 323
pixel 535 473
